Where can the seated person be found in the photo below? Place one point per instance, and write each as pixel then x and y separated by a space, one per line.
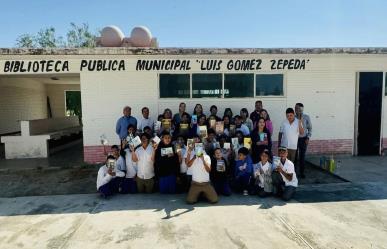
pixel 243 171
pixel 106 178
pixel 201 167
pixel 220 170
pixel 262 184
pixel 284 177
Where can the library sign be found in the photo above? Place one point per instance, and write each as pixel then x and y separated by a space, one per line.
pixel 64 66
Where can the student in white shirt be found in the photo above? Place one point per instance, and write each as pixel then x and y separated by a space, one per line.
pixel 262 174
pixel 145 120
pixel 106 179
pixel 196 139
pixel 144 157
pixel 182 180
pixel 284 177
pixel 129 182
pixel 120 165
pixel 289 133
pixel 201 168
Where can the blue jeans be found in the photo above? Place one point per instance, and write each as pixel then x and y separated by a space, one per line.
pixel 167 184
pixel 128 185
pixel 222 187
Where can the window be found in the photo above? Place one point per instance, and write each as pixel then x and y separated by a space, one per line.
pixel 385 85
pixel 206 85
pixel 73 103
pixel 238 85
pixel 269 84
pixel 174 86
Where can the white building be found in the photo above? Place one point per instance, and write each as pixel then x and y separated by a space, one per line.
pixel 342 89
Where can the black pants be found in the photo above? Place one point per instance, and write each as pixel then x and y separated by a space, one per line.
pixel 280 190
pixel 300 155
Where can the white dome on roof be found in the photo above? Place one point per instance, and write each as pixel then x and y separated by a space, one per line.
pixel 141 37
pixel 111 36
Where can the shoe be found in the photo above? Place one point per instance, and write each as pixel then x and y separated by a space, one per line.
pixel 245 192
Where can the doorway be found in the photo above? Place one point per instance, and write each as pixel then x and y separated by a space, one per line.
pixel 370 92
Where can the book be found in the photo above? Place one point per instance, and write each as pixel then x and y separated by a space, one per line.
pixel 203 131
pixel 157 126
pixel 178 147
pixel 111 164
pixel 136 141
pixel 194 119
pixel 166 124
pixel 166 151
pixel 219 127
pixel 262 136
pixel 232 129
pixel 199 149
pixel 220 166
pixel 212 124
pixel 184 127
pixel 156 140
pixel 235 142
pixel 247 142
pixel 190 143
pixel 104 140
pixel 276 161
pixel 227 146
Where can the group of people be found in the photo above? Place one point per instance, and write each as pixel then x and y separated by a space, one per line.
pixel 206 156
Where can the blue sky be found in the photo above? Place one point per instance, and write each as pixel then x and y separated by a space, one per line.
pixel 220 23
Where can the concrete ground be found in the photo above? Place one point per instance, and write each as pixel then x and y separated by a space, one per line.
pixel 340 215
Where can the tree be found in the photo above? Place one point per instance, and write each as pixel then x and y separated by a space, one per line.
pixel 77 36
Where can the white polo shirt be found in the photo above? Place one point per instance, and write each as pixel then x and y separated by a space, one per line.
pixel 131 167
pixel 145 169
pixel 183 165
pixel 189 169
pixel 288 167
pixel 290 134
pixel 199 173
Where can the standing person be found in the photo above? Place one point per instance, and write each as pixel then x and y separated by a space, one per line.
pixel 144 157
pixel 228 112
pixel 213 112
pixel 145 120
pixel 257 112
pixel 269 124
pixel 181 149
pixel 261 140
pixel 303 139
pixel 220 171
pixel 239 126
pixel 129 182
pixel 201 168
pixel 167 166
pixel 124 121
pixel 284 177
pixel 198 110
pixel 290 129
pixel 183 128
pixel 106 178
pixel 245 119
pixel 177 117
pixel 226 126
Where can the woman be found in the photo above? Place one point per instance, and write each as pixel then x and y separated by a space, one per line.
pixel 198 110
pixel 226 125
pixel 228 112
pixel 269 124
pixel 245 119
pixel 261 140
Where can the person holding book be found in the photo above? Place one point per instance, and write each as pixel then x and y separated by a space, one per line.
pixel 289 132
pixel 124 121
pixel 261 140
pixel 284 177
pixel 245 119
pixel 190 147
pixel 145 121
pixel 167 165
pixel 225 148
pixel 128 139
pixel 303 139
pixel 181 149
pixel 243 171
pixel 201 127
pixel 226 126
pixel 263 185
pixel 177 117
pixel 128 184
pixel 220 171
pixel 144 157
pixel 166 122
pixel 210 142
pixel 106 177
pixel 269 124
pixel 239 126
pixel 183 128
pixel 237 142
pixel 120 165
pixel 257 112
pixel 214 112
pixel 200 163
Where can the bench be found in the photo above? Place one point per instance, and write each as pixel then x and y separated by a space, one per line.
pixel 39 137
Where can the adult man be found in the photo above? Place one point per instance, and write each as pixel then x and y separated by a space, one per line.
pixel 254 116
pixel 124 121
pixel 145 120
pixel 284 177
pixel 289 132
pixel 303 139
pixel 177 117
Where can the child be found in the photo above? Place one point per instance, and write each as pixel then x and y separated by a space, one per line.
pixel 284 177
pixel 106 182
pixel 210 142
pixel 167 165
pixel 201 166
pixel 131 135
pixel 226 153
pixel 144 156
pixel 219 173
pixel 120 165
pixel 196 139
pixel 262 175
pixel 181 151
pixel 128 184
pixel 243 170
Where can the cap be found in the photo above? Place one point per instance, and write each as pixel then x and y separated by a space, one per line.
pixel 283 148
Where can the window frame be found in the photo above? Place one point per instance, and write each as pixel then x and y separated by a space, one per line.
pixel 284 85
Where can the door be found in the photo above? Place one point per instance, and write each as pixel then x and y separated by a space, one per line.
pixel 369 113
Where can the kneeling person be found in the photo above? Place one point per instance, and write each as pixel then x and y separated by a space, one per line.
pixel 201 167
pixel 106 179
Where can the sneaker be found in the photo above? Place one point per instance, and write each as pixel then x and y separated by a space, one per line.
pixel 245 192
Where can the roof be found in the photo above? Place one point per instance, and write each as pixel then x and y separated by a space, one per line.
pixel 187 51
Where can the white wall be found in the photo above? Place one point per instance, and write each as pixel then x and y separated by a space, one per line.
pixel 20 100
